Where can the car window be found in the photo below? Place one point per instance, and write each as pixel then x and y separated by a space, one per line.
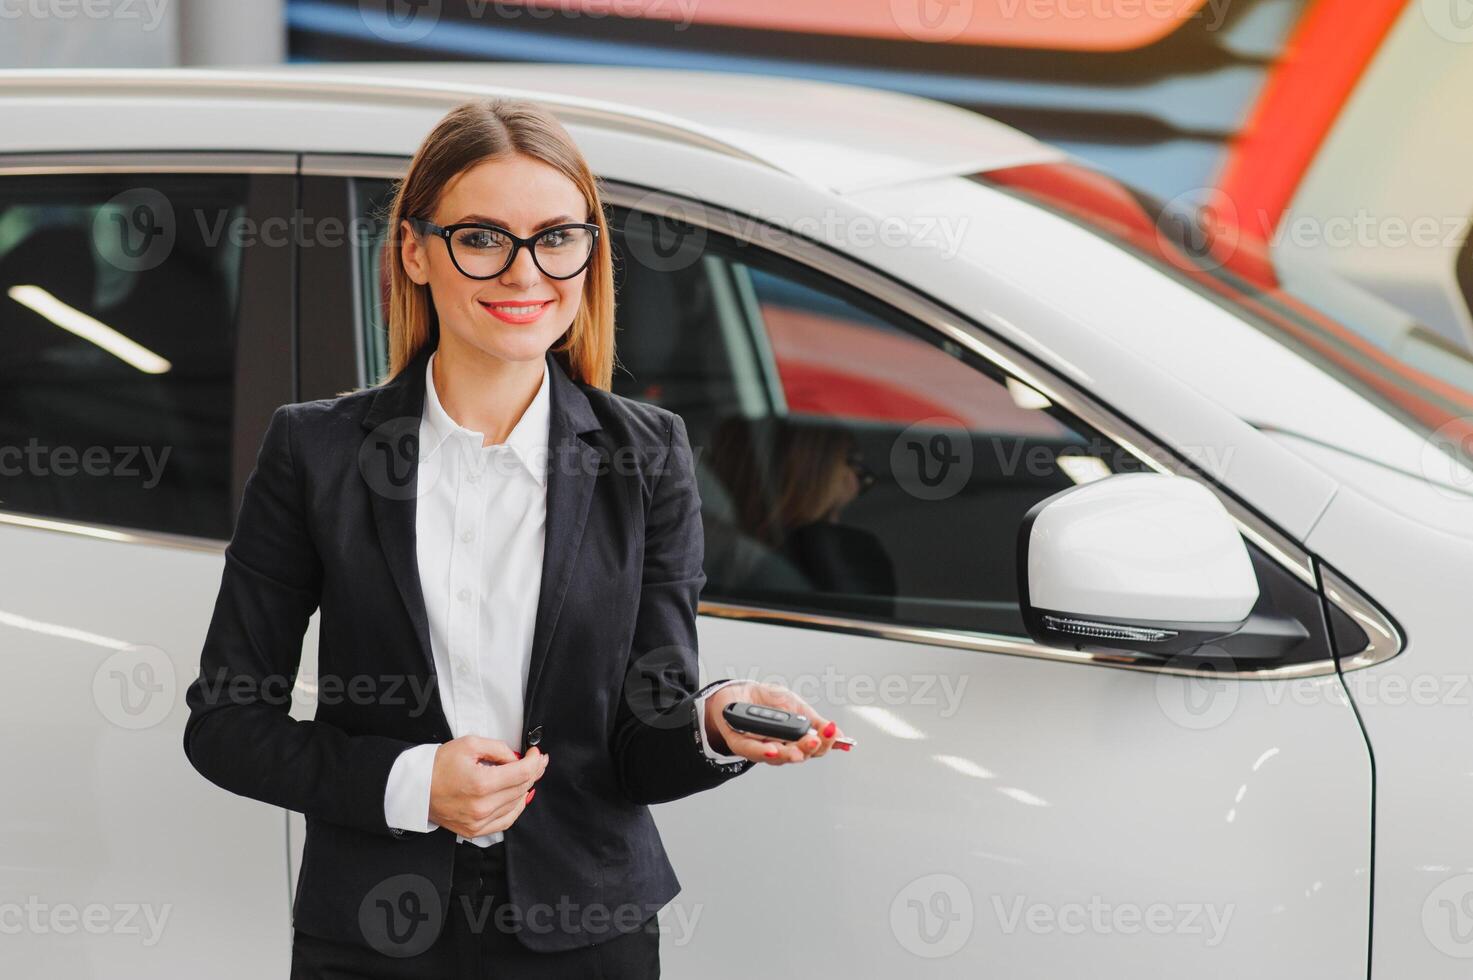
pixel 849 462
pixel 118 305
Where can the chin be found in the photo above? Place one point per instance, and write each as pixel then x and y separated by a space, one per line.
pixel 527 347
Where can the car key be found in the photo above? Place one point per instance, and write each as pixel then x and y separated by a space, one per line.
pixel 759 719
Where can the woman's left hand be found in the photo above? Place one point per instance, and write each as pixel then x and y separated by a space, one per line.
pixel 755 747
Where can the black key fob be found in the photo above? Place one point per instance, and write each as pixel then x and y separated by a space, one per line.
pixel 758 719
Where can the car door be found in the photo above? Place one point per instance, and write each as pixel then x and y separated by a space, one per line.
pixel 1011 809
pixel 147 336
pixel 865 460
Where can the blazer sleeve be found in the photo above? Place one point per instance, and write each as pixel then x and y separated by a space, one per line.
pixel 656 744
pixel 240 735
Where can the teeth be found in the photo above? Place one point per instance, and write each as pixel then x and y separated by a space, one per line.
pixel 518 310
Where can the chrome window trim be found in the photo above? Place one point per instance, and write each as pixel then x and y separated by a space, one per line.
pixel 373 165
pixel 994 643
pixel 147 161
pixel 1385 639
pixel 111 532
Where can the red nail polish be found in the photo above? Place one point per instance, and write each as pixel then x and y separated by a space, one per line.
pixel 771 752
pixel 516 753
pixel 841 745
pixel 829 729
pixel 531 793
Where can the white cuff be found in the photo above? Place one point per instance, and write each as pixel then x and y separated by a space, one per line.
pixel 711 753
pixel 407 794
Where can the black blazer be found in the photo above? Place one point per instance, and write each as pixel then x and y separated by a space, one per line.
pixel 327 518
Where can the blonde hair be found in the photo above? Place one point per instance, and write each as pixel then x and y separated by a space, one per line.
pixel 469 134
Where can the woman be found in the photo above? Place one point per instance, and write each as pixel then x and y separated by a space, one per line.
pixel 507 558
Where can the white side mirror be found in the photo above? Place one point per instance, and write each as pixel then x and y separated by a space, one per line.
pixel 1136 561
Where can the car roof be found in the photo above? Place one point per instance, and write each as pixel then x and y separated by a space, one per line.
pixel 840 137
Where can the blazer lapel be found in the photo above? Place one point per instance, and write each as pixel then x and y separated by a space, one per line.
pixel 389 463
pixel 572 471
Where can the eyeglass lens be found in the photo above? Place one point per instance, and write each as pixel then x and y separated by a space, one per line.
pixel 484 252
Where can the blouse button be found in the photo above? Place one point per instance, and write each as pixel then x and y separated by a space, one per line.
pixel 464 594
pixel 467 535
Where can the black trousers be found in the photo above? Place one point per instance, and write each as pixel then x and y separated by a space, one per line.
pixel 477 942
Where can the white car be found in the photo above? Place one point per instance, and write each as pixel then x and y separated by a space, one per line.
pixel 1151 623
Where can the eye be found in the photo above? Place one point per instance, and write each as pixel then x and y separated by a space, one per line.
pixel 481 239
pixel 563 238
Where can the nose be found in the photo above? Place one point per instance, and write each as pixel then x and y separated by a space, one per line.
pixel 522 271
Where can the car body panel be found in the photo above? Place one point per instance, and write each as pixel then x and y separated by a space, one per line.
pixel 101 638
pixel 1415 709
pixel 993 789
pixel 819 132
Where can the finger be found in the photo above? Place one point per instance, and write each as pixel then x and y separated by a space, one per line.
pixel 823 732
pixel 529 767
pixel 510 775
pixel 749 746
pixel 803 748
pixel 783 698
pixel 767 750
pixel 507 803
pixel 493 749
pixel 827 733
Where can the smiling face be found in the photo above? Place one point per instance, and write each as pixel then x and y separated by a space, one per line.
pixel 523 195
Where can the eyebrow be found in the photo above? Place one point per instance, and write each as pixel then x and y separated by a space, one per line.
pixel 561 219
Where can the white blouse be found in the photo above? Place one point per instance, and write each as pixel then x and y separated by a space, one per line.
pixel 480 522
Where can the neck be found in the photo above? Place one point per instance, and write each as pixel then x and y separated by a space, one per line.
pixel 483 393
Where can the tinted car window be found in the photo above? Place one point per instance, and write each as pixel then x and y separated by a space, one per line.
pixel 118 306
pixel 851 462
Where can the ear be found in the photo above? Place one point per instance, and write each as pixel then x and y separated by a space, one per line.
pixel 413 254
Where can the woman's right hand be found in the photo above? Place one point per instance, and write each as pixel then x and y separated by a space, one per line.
pixel 473 799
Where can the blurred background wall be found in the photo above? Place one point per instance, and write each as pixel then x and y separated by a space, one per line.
pixel 140 33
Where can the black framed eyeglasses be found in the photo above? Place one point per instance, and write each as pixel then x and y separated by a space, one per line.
pixel 482 251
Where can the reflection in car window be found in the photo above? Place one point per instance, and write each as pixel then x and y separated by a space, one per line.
pixel 118 304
